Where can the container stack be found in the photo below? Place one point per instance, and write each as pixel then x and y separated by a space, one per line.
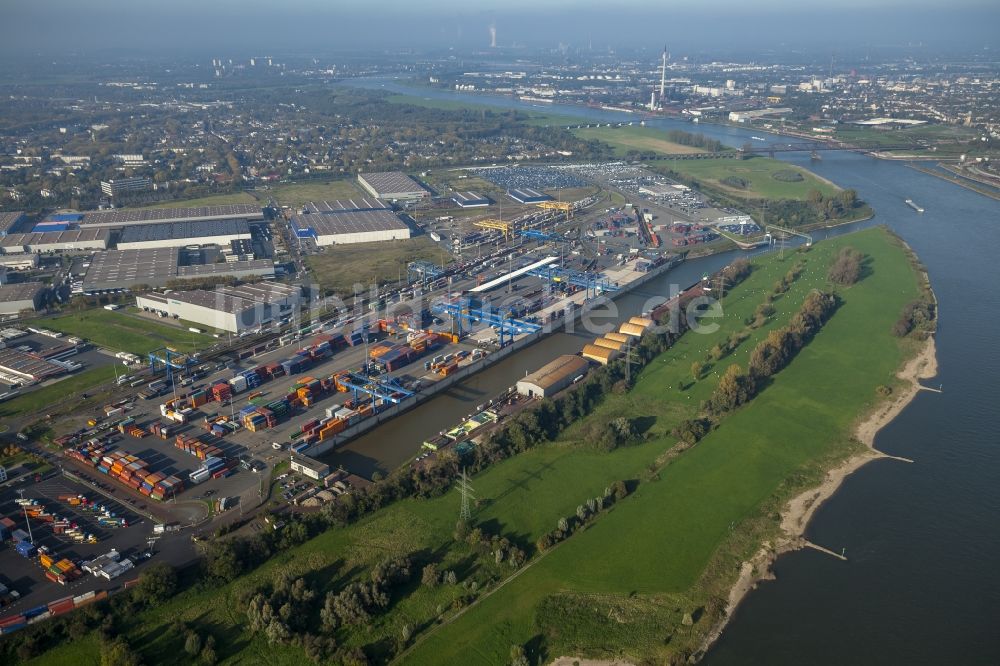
pixel 196 447
pixel 160 430
pixel 272 370
pixel 330 428
pixel 222 392
pixel 217 468
pixel 295 364
pixel 199 398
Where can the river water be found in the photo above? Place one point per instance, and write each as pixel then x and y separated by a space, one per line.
pixel 922 580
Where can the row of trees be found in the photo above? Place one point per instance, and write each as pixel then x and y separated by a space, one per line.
pixel 737 387
pixel 585 513
pixel 696 140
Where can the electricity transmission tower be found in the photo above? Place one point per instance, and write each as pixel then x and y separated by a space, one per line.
pixel 628 360
pixel 465 488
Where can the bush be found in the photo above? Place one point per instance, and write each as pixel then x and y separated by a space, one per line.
pixel 736 182
pixel 846 268
pixel 788 176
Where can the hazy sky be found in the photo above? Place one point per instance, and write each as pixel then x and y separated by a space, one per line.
pixel 314 25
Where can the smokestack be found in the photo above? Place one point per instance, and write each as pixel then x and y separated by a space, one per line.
pixel 663 74
pixel 493 35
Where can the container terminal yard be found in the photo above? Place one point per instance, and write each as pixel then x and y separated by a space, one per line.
pixel 195 439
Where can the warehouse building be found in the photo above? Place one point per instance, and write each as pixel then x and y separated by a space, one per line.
pixel 233 309
pixel 345 206
pixel 71 240
pixel 9 222
pixel 553 377
pixel 21 296
pixel 470 200
pixel 21 367
pixel 602 355
pixel 128 217
pixel 19 262
pixel 308 467
pixel 392 186
pixel 122 269
pixel 354 227
pixel 526 195
pixel 120 186
pixel 609 343
pixel 180 234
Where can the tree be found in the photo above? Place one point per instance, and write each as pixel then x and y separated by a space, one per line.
pixel 157 583
pixel 192 645
pixel 117 653
pixel 430 576
pixel 697 369
pixel 733 389
pixel 846 268
pixel 563 525
pixel 848 198
pixel 814 197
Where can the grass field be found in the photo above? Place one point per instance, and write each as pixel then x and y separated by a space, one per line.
pixel 644 139
pixel 61 393
pixel 123 332
pixel 542 118
pixel 932 133
pixel 213 200
pixel 651 550
pixel 758 171
pixel 339 268
pixel 295 195
pixel 642 561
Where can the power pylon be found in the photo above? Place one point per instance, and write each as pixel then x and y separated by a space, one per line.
pixel 465 488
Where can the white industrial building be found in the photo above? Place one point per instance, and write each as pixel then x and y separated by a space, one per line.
pixel 155 267
pixel 181 234
pixel 351 227
pixel 553 376
pixel 127 217
pixel 308 467
pixel 392 186
pixel 119 186
pixel 233 309
pixel 19 262
pixel 21 296
pixel 71 240
pixel 470 200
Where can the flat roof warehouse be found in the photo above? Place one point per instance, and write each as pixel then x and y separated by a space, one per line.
pixel 125 217
pixel 345 205
pixel 180 232
pixel 119 269
pixel 351 227
pixel 392 185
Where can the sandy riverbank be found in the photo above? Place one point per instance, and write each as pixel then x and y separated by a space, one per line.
pixel 801 508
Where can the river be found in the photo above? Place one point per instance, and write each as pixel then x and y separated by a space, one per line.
pixel 922 580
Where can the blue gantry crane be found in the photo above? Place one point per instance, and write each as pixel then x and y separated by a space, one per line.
pixel 505 325
pixel 386 388
pixel 169 360
pixel 535 234
pixel 594 283
pixel 424 271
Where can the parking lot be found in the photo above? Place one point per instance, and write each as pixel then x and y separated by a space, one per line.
pixel 27 576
